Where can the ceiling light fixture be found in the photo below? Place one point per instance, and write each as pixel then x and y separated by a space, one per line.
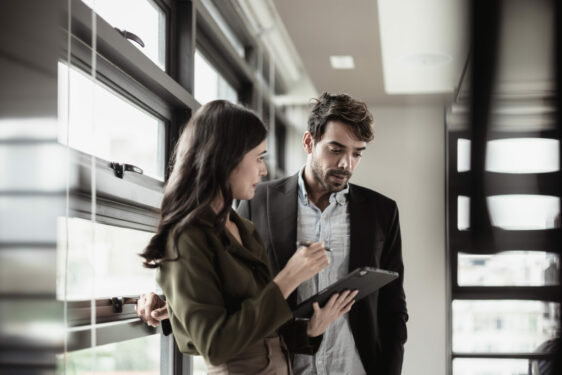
pixel 342 62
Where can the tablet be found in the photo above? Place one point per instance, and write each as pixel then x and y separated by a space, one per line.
pixel 365 279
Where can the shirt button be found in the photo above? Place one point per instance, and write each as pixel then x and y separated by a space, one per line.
pixel 320 362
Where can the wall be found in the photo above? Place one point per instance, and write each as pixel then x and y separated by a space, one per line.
pixel 406 162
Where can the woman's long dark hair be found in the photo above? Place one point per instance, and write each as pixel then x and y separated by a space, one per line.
pixel 210 147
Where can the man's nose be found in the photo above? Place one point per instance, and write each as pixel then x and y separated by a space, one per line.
pixel 345 162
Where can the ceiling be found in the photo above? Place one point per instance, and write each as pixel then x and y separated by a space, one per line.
pixel 321 28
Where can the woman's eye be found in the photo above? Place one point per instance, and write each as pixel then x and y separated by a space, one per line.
pixel 357 155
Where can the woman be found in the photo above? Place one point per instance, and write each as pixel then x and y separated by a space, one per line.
pixel 213 267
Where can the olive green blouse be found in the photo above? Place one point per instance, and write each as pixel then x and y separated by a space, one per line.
pixel 220 293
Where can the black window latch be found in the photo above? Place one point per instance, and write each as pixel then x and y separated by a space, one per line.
pixel 120 168
pixel 129 35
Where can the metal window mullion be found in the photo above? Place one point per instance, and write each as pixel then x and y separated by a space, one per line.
pixel 530 356
pixel 109 333
pixel 527 293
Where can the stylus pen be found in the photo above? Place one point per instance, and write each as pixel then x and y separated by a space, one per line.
pixel 307 244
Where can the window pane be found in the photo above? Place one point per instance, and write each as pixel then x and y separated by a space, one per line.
pixel 463 212
pixel 524 212
pixel 463 155
pixel 523 155
pixel 116 269
pixel 131 357
pixel 510 268
pixel 470 366
pixel 503 326
pixel 209 84
pixel 514 155
pixel 140 17
pixel 515 212
pixel 107 126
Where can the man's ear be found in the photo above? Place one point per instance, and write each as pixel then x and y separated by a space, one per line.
pixel 307 142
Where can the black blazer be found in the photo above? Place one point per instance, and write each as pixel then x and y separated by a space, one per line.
pixel 378 322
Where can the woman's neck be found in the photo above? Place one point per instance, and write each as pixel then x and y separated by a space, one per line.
pixel 217 205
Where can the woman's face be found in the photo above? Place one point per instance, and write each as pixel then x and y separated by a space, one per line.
pixel 248 173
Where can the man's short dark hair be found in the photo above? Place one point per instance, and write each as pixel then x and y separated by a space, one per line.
pixel 340 107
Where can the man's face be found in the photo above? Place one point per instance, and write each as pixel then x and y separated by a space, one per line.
pixel 334 158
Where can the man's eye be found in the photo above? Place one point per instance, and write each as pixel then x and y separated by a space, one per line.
pixel 357 155
pixel 335 150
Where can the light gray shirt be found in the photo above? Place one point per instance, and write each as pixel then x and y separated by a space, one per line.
pixel 337 353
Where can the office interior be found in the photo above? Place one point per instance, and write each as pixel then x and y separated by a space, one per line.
pixel 94 94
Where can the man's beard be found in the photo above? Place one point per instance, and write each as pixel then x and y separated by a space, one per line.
pixel 323 178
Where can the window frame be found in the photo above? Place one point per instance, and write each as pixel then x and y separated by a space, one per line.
pixel 168 96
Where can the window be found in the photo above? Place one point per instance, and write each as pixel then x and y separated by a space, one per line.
pixel 144 18
pixel 209 84
pixel 104 124
pixel 115 268
pixel 503 314
pixel 131 357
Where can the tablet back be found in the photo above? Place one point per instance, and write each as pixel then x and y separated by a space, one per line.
pixel 365 279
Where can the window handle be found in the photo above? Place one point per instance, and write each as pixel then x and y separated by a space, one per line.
pixel 129 35
pixel 120 168
pixel 118 303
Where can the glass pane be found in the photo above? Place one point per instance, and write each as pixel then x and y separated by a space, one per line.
pixel 503 326
pixel 463 212
pixel 470 366
pixel 140 17
pixel 515 212
pixel 131 357
pixel 463 155
pixel 199 365
pixel 209 84
pixel 514 155
pixel 524 212
pixel 510 268
pixel 523 155
pixel 107 126
pixel 116 269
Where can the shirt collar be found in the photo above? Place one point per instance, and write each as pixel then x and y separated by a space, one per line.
pixel 339 197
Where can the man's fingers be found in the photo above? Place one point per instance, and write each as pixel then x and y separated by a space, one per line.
pixel 347 308
pixel 331 302
pixel 349 297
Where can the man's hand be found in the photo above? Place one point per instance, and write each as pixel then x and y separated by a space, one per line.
pixel 336 306
pixel 151 309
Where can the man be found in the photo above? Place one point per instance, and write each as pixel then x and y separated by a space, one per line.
pixel 359 225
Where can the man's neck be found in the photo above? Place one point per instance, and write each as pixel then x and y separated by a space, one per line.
pixel 315 191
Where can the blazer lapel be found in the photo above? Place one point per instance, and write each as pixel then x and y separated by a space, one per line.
pixel 282 217
pixel 362 224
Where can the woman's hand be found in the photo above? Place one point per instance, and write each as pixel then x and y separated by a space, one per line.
pixel 306 262
pixel 151 309
pixel 336 306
